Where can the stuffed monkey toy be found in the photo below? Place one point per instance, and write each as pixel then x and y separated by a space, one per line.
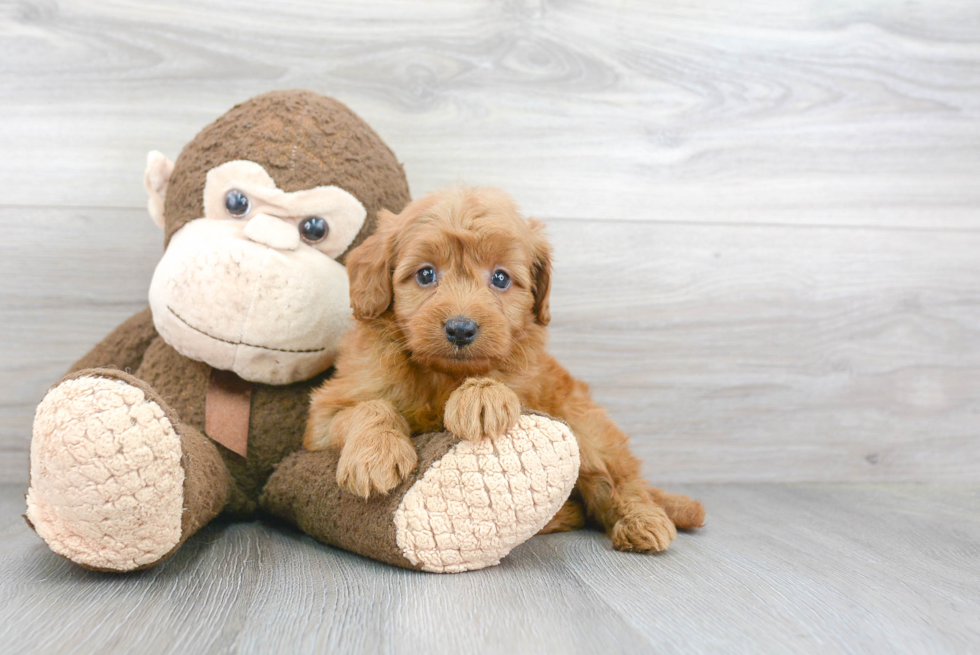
pixel 196 406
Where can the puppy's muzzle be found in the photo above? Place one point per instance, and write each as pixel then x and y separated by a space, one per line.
pixel 461 331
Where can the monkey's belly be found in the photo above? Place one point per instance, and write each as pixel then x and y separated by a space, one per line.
pixel 276 424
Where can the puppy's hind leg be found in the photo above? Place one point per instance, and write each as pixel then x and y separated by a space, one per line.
pixel 570 517
pixel 610 484
pixel 624 508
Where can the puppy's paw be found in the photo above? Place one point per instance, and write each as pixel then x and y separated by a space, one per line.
pixel 375 462
pixel 481 408
pixel 646 530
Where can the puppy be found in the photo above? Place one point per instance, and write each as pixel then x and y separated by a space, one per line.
pixel 451 302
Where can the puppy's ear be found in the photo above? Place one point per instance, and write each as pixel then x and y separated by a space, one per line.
pixel 540 272
pixel 369 269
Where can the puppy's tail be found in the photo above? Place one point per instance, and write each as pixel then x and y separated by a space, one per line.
pixel 686 513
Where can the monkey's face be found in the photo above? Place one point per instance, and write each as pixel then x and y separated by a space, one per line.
pixel 253 286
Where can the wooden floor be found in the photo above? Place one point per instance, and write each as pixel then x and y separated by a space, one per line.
pixel 779 569
pixel 766 220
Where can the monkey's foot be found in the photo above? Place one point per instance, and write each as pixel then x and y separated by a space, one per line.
pixel 466 506
pixel 482 499
pixel 106 486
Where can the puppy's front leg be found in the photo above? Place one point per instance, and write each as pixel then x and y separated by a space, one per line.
pixel 376 450
pixel 481 408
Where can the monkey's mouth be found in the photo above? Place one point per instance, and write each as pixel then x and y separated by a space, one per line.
pixel 240 343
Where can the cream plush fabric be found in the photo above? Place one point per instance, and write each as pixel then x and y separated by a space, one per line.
pixel 121 508
pixel 343 212
pixel 482 499
pixel 271 316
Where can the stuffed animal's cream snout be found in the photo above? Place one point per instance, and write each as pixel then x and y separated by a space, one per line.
pixel 272 232
pixel 252 300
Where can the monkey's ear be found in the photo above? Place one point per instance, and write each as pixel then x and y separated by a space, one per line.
pixel 156 179
pixel 540 272
pixel 369 268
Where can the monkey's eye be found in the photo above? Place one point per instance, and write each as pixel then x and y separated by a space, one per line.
pixel 236 203
pixel 426 276
pixel 500 279
pixel 313 229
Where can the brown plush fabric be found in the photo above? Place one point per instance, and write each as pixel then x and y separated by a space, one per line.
pixel 207 482
pixel 278 417
pixel 304 491
pixel 124 347
pixel 303 140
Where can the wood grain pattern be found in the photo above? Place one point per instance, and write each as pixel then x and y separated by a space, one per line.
pixel 845 112
pixel 765 216
pixel 730 353
pixel 779 569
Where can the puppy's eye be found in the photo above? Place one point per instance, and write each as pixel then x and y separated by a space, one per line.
pixel 313 229
pixel 237 203
pixel 500 279
pixel 426 276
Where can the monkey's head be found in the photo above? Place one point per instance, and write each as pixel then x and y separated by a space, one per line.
pixel 259 212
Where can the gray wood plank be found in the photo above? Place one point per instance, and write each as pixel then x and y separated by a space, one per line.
pixel 778 569
pixel 67 278
pixel 729 353
pixel 818 569
pixel 777 353
pixel 771 112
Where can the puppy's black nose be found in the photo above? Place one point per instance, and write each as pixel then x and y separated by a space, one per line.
pixel 461 331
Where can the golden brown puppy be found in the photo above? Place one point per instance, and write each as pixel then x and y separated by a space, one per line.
pixel 451 298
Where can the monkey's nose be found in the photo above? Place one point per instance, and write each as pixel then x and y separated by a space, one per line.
pixel 273 232
pixel 461 331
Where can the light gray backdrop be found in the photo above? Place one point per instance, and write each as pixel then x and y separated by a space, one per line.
pixel 766 215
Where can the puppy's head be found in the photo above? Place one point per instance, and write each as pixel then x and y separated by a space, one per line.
pixel 462 274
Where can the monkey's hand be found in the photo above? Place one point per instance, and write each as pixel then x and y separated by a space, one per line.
pixel 481 408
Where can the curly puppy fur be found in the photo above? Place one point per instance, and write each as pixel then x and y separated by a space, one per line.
pixel 399 373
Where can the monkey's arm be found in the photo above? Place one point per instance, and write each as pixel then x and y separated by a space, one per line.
pixel 124 347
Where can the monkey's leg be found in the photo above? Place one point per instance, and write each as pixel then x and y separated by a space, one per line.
pixel 466 506
pixel 117 482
